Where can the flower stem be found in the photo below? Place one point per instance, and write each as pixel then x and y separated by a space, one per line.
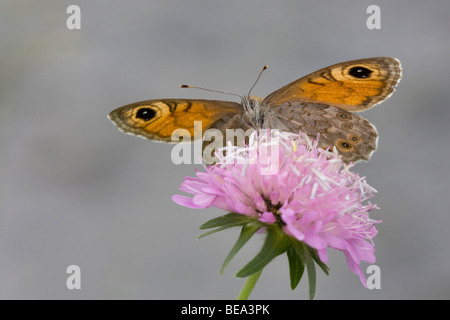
pixel 249 285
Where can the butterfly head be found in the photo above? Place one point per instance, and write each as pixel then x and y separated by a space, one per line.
pixel 253 113
pixel 252 106
pixel 251 103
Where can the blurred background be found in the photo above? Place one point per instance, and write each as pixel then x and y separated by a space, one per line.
pixel 75 190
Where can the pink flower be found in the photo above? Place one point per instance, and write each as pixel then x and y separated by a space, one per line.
pixel 307 191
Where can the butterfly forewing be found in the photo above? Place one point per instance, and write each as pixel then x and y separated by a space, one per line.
pixel 158 119
pixel 354 85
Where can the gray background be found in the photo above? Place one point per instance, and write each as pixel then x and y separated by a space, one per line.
pixel 74 190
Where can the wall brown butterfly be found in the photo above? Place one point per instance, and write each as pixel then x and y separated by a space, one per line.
pixel 322 102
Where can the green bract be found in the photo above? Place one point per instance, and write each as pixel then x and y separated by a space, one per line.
pixel 276 243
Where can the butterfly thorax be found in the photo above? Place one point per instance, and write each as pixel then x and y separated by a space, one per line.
pixel 254 111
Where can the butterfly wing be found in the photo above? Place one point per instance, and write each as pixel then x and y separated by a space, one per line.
pixel 354 137
pixel 354 85
pixel 158 119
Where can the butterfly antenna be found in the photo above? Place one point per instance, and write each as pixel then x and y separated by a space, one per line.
pixel 216 91
pixel 257 79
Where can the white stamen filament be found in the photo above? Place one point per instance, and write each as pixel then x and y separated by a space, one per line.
pixel 314 190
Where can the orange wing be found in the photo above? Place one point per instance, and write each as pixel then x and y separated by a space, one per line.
pixel 158 119
pixel 353 85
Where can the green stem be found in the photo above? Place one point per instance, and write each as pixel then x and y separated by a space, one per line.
pixel 249 285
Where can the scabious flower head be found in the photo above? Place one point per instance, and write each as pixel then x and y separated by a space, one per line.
pixel 286 180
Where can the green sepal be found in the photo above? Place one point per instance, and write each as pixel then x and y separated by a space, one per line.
pixel 315 256
pixel 296 266
pixel 246 233
pixel 229 220
pixel 303 251
pixel 311 267
pixel 276 243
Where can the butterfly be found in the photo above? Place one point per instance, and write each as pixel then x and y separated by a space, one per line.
pixel 322 102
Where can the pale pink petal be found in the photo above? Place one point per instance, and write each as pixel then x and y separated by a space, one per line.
pixel 267 217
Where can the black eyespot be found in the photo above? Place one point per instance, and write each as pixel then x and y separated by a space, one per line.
pixel 354 139
pixel 145 114
pixel 345 145
pixel 344 116
pixel 360 72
